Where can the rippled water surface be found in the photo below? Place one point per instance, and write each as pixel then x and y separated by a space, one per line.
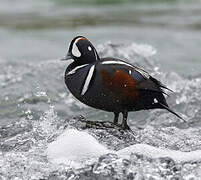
pixel 36 107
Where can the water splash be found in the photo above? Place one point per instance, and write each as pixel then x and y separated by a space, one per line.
pixel 36 108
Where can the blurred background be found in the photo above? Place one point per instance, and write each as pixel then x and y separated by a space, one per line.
pixel 34 35
pixel 41 30
pixel 161 36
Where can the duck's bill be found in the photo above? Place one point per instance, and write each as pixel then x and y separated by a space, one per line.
pixel 67 57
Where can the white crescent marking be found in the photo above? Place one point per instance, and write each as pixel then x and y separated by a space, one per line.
pixel 88 79
pixel 75 50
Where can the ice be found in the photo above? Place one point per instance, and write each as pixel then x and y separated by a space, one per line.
pixel 74 145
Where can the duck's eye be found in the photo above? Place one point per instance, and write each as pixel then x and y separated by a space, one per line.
pixel 89 48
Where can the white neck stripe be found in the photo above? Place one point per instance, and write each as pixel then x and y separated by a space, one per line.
pixel 88 79
pixel 76 68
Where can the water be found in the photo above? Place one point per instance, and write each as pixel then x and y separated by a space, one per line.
pixel 36 107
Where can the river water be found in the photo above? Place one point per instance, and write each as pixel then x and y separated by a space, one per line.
pixel 162 37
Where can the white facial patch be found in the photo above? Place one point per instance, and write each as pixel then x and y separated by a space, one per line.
pixel 75 50
pixel 89 48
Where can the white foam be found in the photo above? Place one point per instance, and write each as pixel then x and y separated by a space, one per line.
pixel 75 146
pixel 154 152
pixel 127 50
pixel 144 49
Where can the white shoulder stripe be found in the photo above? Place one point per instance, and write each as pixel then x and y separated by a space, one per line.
pixel 144 73
pixel 117 62
pixel 88 79
pixel 76 68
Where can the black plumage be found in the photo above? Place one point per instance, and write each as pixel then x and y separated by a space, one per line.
pixel 111 84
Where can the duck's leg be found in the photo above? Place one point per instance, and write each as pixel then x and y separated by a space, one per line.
pixel 116 117
pixel 124 121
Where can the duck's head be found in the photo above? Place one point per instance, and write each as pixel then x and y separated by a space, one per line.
pixel 81 51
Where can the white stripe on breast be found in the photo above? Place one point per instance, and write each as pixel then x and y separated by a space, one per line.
pixel 142 72
pixel 88 79
pixel 76 68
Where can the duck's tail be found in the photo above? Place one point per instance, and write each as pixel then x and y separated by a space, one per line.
pixel 170 110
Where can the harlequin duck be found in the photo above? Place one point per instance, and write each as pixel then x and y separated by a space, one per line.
pixel 111 84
